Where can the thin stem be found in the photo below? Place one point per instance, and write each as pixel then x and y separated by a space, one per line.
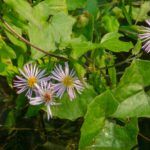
pixel 144 137
pixel 115 65
pixel 13 32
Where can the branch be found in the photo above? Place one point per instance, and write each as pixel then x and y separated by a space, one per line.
pixel 144 137
pixel 13 32
pixel 115 65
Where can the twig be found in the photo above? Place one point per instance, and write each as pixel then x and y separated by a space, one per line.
pixel 115 65
pixel 13 32
pixel 144 137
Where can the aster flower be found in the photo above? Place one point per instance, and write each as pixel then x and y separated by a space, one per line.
pixel 31 75
pixel 66 81
pixel 44 94
pixel 145 37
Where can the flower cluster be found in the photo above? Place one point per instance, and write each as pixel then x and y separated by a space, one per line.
pixel 44 88
pixel 145 37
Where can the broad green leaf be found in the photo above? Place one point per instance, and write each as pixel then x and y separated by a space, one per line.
pixel 135 78
pixel 49 7
pixel 79 47
pixel 58 30
pixel 45 32
pixel 111 42
pixel 137 105
pixel 24 9
pixel 110 23
pixel 133 101
pixel 102 106
pixel 92 7
pixel 74 4
pixel 141 14
pixel 116 137
pixel 76 108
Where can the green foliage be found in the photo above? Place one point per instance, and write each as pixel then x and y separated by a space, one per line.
pixel 100 108
pixel 111 42
pixel 99 40
pixel 75 109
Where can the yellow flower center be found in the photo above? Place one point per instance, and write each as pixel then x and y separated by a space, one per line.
pixel 68 81
pixel 32 81
pixel 47 97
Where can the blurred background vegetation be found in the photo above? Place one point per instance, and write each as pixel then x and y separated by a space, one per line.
pixel 71 30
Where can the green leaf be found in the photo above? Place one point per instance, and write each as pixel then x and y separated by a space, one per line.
pixel 137 105
pixel 49 7
pixel 135 78
pixel 58 30
pixel 137 48
pixel 20 101
pixel 22 46
pixel 24 9
pixel 10 120
pixel 110 23
pixel 2 67
pixel 33 110
pixel 92 7
pixel 45 31
pixel 102 106
pixel 74 4
pixel 80 46
pixel 141 14
pixel 133 100
pixel 79 69
pixel 74 109
pixel 6 51
pixel 111 42
pixel 115 137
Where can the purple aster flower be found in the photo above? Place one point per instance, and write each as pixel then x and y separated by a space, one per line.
pixel 66 81
pixel 145 37
pixel 31 75
pixel 44 94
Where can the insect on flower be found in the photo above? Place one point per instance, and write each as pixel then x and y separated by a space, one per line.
pixel 44 94
pixel 66 81
pixel 31 75
pixel 145 37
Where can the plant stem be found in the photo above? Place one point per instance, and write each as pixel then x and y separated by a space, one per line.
pixel 13 32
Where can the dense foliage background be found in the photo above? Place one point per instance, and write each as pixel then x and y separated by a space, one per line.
pixel 99 38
